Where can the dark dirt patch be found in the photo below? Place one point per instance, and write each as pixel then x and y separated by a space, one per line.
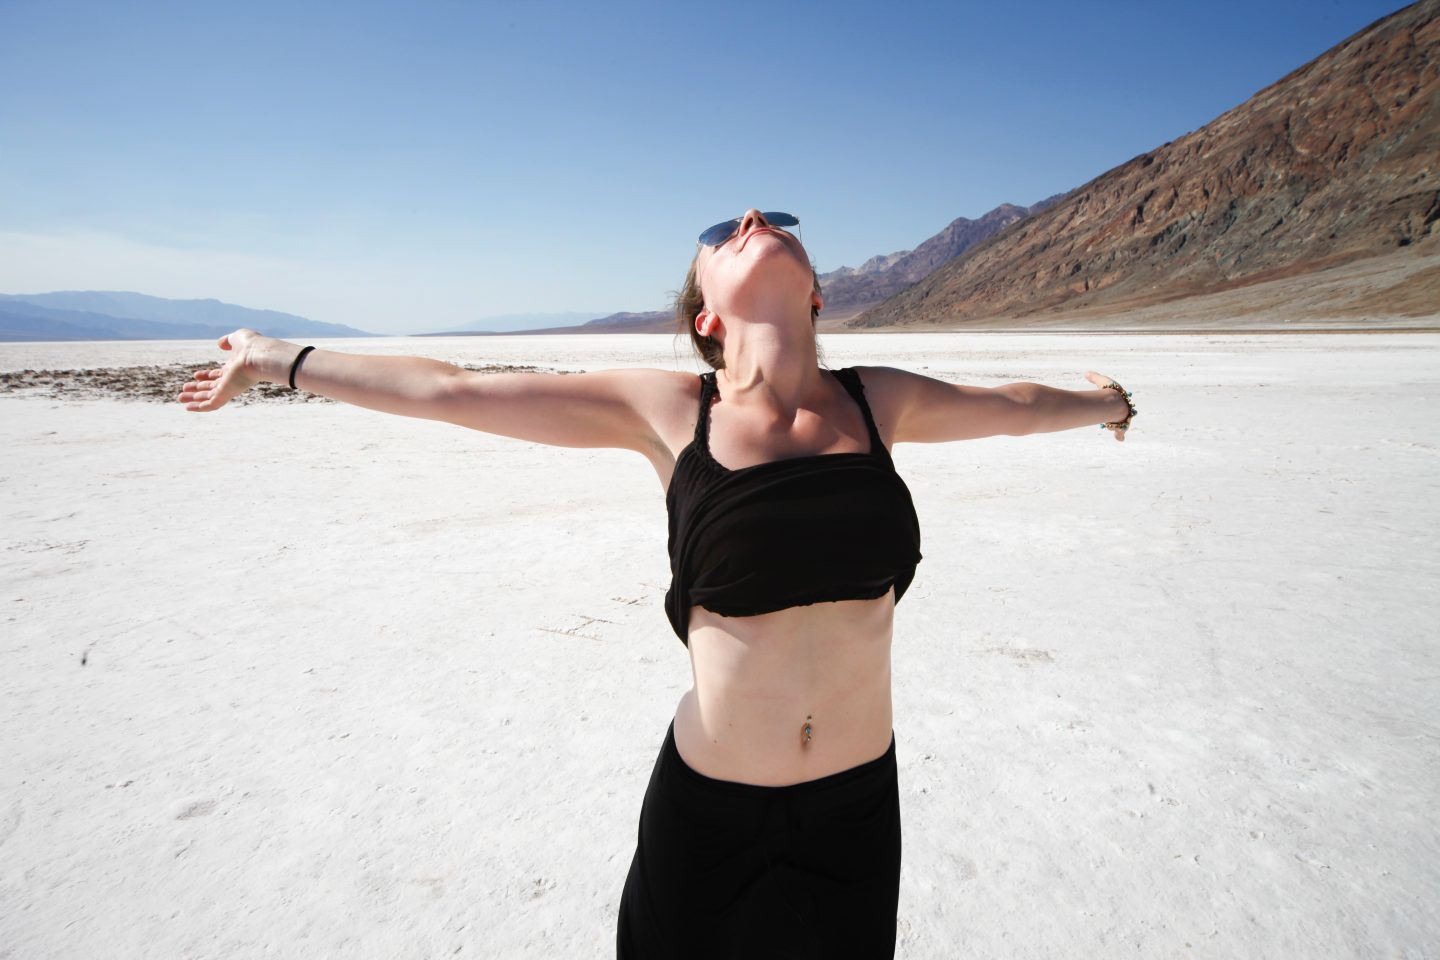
pixel 161 383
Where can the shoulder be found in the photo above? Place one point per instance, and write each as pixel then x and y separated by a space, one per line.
pixel 634 387
pixel 901 399
pixel 664 401
pixel 653 379
pixel 887 386
pixel 636 409
pixel 669 400
pixel 652 392
pixel 887 393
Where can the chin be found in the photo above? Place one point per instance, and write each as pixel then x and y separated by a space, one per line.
pixel 778 250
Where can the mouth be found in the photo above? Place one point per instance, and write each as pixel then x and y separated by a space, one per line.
pixel 770 230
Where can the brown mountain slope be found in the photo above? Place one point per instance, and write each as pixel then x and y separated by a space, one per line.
pixel 850 290
pixel 1335 162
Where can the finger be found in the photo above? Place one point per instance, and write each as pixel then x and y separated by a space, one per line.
pixel 1120 435
pixel 204 404
pixel 225 342
pixel 1099 379
pixel 205 380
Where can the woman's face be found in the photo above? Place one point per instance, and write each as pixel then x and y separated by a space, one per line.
pixel 758 267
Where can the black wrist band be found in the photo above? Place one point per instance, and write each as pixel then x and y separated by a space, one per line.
pixel 295 367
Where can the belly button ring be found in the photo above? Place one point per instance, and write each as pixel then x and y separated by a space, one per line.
pixel 807 731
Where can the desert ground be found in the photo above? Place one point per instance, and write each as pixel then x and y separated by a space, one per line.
pixel 296 679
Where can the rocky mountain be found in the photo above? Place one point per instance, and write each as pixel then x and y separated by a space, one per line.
pixel 1335 162
pixel 874 265
pixel 849 290
pixel 112 315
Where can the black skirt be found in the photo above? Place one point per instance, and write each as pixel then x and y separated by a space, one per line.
pixel 727 869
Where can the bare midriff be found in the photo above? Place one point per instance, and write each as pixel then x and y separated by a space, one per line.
pixel 759 680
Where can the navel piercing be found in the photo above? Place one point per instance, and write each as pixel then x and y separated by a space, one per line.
pixel 807 731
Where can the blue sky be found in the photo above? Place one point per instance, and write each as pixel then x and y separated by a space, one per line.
pixel 412 167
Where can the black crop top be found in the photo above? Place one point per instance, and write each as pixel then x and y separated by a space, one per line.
pixel 831 526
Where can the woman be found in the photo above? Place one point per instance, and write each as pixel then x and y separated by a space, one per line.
pixel 770 826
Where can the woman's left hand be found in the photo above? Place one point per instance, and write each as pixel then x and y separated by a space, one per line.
pixel 1100 380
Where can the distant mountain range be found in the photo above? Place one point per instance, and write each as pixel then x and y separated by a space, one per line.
pixel 1334 163
pixel 110 315
pixel 516 322
pixel 848 291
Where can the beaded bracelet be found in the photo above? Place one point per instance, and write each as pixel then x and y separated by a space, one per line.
pixel 1120 426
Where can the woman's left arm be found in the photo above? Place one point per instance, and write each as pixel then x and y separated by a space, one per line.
pixel 913 408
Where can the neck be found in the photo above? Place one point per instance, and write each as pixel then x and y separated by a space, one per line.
pixel 771 362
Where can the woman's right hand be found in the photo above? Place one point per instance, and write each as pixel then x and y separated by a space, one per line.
pixel 212 389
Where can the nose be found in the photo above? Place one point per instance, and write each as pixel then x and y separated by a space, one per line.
pixel 753 219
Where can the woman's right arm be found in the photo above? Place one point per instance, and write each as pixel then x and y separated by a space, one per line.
pixel 610 408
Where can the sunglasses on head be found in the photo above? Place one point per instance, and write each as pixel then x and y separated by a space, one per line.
pixel 718 234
